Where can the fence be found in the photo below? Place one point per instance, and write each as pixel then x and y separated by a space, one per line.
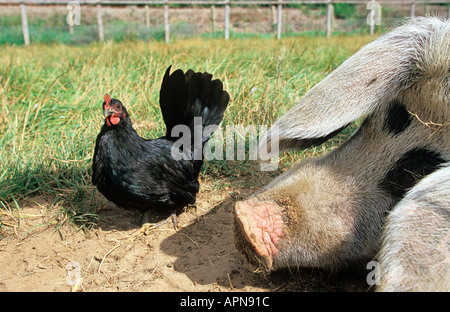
pixel 373 8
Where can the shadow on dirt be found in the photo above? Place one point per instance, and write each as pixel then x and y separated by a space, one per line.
pixel 206 254
pixel 113 217
pixel 205 251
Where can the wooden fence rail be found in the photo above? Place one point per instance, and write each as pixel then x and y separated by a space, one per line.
pixel 277 5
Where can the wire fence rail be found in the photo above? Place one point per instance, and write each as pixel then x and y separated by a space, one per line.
pixel 373 7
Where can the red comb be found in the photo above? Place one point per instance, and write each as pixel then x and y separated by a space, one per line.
pixel 107 98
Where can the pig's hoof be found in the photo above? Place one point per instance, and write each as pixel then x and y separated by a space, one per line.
pixel 257 231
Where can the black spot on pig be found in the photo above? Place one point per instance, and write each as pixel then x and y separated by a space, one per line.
pixel 410 169
pixel 398 118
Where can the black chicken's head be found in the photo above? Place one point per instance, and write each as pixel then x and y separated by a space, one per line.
pixel 113 111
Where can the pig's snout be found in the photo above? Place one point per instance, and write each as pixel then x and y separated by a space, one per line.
pixel 257 231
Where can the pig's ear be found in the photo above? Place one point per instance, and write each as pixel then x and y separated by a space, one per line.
pixel 368 80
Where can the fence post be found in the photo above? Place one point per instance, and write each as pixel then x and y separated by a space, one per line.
pixel 101 36
pixel 26 34
pixel 147 16
pixel 280 19
pixel 227 19
pixel 274 18
pixel 166 21
pixel 330 13
pixel 413 9
pixel 213 19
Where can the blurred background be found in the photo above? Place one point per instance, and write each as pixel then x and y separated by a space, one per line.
pixel 144 20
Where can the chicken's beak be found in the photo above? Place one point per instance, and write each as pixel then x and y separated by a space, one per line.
pixel 108 113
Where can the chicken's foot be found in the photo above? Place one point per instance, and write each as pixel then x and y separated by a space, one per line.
pixel 147 226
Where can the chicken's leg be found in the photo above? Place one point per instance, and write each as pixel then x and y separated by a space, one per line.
pixel 147 226
pixel 174 220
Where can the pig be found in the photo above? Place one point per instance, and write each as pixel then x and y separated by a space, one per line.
pixel 359 202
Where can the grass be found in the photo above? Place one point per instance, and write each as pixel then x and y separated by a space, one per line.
pixel 51 95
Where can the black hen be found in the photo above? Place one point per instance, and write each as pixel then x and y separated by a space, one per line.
pixel 135 173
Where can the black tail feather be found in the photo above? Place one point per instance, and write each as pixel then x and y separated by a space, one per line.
pixel 172 97
pixel 184 96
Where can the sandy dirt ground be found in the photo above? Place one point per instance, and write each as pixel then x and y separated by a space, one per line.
pixel 47 253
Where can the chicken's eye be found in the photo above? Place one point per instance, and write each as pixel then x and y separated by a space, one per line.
pixel 117 105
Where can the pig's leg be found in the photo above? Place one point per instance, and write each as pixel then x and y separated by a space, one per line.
pixel 415 254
